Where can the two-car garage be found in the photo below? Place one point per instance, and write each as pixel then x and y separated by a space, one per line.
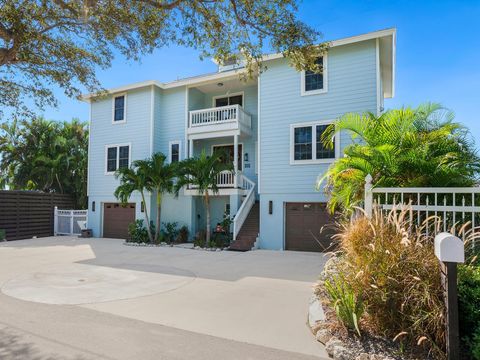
pixel 308 226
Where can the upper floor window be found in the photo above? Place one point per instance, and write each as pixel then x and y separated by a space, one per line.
pixel 117 156
pixel 307 146
pixel 119 109
pixel 174 151
pixel 313 82
pixel 232 99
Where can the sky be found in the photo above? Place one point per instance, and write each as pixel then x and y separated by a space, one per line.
pixel 438 54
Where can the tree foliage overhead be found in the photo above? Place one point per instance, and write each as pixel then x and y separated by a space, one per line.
pixel 45 155
pixel 406 147
pixel 60 42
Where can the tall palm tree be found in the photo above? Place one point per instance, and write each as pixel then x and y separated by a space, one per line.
pixel 160 180
pixel 202 172
pixel 133 179
pixel 414 147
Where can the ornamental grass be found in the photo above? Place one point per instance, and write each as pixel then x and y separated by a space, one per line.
pixel 390 265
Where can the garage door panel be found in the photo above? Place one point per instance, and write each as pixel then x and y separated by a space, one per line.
pixel 309 227
pixel 116 219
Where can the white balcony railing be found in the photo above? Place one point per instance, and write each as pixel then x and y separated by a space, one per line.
pixel 226 179
pixel 220 115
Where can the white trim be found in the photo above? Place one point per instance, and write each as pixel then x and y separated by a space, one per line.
pixel 324 90
pixel 228 96
pixel 344 41
pixel 88 155
pixel 124 108
pixel 259 133
pixel 173 142
pixel 187 117
pixel 118 155
pixel 378 79
pixel 196 80
pixel 394 61
pixel 231 144
pixel 152 108
pixel 312 124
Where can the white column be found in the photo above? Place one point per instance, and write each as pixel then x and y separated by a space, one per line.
pixel 235 160
pixel 190 148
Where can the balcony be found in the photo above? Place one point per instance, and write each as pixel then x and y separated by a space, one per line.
pixel 228 183
pixel 219 121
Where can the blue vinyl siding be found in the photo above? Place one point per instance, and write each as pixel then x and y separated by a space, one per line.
pixel 351 88
pixel 136 131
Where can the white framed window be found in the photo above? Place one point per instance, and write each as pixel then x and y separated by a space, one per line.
pixel 174 151
pixel 117 156
pixel 306 146
pixel 119 109
pixel 228 99
pixel 315 83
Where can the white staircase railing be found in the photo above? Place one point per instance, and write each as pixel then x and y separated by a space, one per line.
pixel 246 206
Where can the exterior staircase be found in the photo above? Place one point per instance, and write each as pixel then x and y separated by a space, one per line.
pixel 247 236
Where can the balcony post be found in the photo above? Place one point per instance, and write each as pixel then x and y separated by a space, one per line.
pixel 190 148
pixel 235 160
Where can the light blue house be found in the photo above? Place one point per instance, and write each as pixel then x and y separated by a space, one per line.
pixel 270 126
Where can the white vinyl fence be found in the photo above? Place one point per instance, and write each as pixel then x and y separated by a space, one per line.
pixel 446 207
pixel 69 222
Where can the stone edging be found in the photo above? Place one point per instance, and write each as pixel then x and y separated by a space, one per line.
pixel 164 244
pixel 335 347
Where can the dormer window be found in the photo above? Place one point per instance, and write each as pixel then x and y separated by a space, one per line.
pixel 119 109
pixel 315 83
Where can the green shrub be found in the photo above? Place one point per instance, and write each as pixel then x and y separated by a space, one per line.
pixel 469 309
pixel 348 307
pixel 138 232
pixel 200 238
pixel 170 232
pixel 2 235
pixel 220 240
pixel 182 236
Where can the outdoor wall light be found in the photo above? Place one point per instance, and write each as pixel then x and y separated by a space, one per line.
pixel 245 157
pixel 270 207
pixel 93 206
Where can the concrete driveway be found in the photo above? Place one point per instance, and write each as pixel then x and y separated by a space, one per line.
pixel 70 298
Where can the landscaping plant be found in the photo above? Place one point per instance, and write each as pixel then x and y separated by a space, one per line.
pixel 138 232
pixel 405 147
pixel 153 175
pixel 202 172
pixel 389 264
pixel 348 307
pixel 182 236
pixel 170 232
pixel 469 308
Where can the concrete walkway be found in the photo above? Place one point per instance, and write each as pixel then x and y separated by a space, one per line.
pixel 97 298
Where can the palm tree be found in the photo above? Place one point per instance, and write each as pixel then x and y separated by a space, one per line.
pixel 415 147
pixel 160 180
pixel 202 172
pixel 133 179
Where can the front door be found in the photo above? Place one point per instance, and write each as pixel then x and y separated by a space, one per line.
pixel 227 154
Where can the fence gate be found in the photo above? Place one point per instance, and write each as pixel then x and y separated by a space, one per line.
pixel 69 222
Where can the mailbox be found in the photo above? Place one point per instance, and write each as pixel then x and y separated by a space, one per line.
pixel 449 248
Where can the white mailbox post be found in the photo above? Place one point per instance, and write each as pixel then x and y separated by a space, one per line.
pixel 450 250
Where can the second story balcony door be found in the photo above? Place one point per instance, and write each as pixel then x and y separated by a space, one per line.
pixel 234 99
pixel 227 154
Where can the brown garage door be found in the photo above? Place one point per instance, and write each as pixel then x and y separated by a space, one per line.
pixel 116 219
pixel 304 223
